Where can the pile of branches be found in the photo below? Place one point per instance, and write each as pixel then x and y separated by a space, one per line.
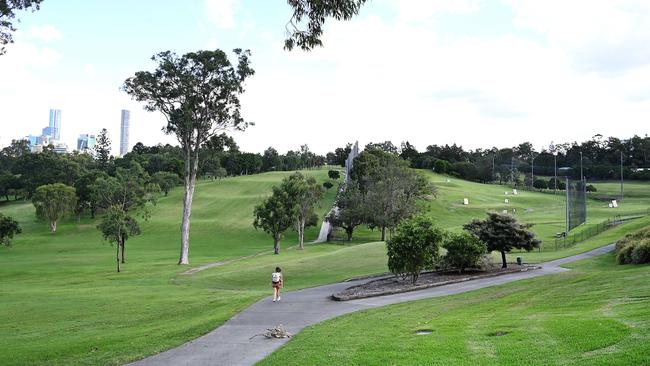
pixel 277 332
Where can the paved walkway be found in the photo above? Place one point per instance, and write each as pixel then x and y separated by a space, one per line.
pixel 230 344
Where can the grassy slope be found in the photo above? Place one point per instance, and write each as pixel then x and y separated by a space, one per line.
pixel 597 314
pixel 67 305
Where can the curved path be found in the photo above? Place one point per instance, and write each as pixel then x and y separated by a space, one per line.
pixel 230 344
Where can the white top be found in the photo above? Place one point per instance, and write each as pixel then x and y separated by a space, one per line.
pixel 276 277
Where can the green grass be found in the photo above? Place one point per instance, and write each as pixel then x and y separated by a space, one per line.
pixel 596 314
pixel 63 303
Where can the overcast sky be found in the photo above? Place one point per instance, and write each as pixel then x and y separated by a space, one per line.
pixel 477 73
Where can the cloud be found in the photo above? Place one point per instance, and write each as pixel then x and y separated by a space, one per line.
pixel 47 33
pixel 418 10
pixel 607 37
pixel 222 12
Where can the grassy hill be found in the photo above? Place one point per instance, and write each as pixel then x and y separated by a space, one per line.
pixel 65 304
pixel 596 314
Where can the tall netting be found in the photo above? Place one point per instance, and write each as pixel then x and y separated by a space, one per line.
pixel 576 203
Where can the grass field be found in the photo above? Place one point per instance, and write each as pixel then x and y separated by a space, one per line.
pixel 596 314
pixel 63 303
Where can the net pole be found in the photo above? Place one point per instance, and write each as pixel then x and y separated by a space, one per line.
pixel 566 226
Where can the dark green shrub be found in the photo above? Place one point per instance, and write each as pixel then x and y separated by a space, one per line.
pixel 591 188
pixel 641 252
pixel 463 251
pixel 624 255
pixel 415 247
pixel 328 185
pixel 540 184
pixel 334 174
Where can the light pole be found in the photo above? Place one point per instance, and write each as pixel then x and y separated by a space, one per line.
pixel 532 170
pixel 581 176
pixel 555 170
pixel 621 175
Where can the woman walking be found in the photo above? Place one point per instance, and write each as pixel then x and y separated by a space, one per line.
pixel 277 281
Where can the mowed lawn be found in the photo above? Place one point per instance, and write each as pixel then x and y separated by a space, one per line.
pixel 63 303
pixel 596 314
pixel 546 211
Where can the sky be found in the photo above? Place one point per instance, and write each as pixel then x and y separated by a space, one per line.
pixel 476 73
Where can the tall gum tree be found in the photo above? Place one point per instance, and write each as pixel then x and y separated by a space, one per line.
pixel 198 93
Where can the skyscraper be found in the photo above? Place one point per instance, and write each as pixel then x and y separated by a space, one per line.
pixel 86 142
pixel 124 132
pixel 53 131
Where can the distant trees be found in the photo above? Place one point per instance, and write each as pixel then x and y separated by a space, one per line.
pixel 198 93
pixel 503 233
pixel 54 202
pixel 305 193
pixel 334 174
pixel 123 196
pixel 275 215
pixel 291 204
pixel 350 210
pixel 103 149
pixel 116 227
pixel 8 228
pixel 415 247
pixel 166 181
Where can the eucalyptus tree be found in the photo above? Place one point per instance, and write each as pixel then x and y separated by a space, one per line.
pixel 198 94
pixel 8 228
pixel 305 192
pixel 54 202
pixel 275 215
pixel 8 14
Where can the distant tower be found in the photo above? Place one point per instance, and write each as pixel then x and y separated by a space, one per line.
pixel 124 132
pixel 53 131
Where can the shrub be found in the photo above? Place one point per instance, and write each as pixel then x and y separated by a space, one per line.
pixel 463 250
pixel 591 188
pixel 328 185
pixel 641 252
pixel 624 256
pixel 540 184
pixel 415 247
pixel 334 174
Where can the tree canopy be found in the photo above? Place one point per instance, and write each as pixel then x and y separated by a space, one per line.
pixel 503 233
pixel 198 94
pixel 54 202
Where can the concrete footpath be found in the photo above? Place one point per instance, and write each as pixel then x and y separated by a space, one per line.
pixel 230 344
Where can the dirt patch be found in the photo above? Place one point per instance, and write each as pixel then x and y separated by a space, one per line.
pixel 393 285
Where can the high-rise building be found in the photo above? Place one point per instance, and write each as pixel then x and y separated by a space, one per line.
pixel 54 129
pixel 124 132
pixel 86 142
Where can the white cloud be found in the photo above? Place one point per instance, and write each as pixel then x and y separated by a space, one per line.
pixel 419 10
pixel 47 33
pixel 222 12
pixel 602 36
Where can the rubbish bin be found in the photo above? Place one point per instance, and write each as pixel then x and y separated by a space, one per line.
pixel 520 261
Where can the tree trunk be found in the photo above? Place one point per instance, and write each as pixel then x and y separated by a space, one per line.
pixel 190 182
pixel 122 249
pixel 349 230
pixel 92 211
pixel 383 233
pixel 276 245
pixel 118 257
pixel 301 233
pixel 53 226
pixel 392 231
pixel 503 259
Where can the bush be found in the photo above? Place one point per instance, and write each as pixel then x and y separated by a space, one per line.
pixel 540 184
pixel 591 188
pixel 624 256
pixel 334 174
pixel 634 248
pixel 415 247
pixel 641 252
pixel 328 185
pixel 463 251
pixel 561 185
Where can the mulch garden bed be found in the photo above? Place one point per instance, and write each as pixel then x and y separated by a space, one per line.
pixel 393 285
